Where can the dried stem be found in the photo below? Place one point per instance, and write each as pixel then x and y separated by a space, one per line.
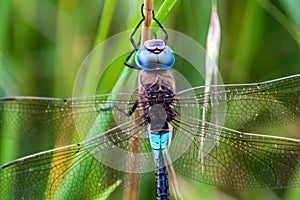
pixel 148 4
pixel 131 193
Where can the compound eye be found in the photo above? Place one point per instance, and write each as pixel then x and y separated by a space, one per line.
pixel 155 55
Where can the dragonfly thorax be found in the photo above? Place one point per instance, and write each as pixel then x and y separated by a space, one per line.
pixel 154 81
pixel 157 88
pixel 160 97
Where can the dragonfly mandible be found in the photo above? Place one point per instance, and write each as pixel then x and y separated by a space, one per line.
pixel 168 123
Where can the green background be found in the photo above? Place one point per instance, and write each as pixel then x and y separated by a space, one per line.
pixel 43 43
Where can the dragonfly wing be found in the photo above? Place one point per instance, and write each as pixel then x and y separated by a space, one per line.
pixel 247 106
pixel 64 121
pixel 233 159
pixel 85 170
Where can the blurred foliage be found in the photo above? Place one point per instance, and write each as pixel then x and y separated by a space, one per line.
pixel 43 43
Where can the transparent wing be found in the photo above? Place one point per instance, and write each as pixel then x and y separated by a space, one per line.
pixel 233 159
pixel 66 121
pixel 81 171
pixel 256 105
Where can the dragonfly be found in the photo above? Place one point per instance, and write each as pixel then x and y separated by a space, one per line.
pixel 168 127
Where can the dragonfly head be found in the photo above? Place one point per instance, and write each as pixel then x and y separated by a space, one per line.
pixel 155 55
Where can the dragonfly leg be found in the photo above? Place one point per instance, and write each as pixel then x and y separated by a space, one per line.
pixel 162 28
pixel 128 64
pixel 133 108
pixel 136 45
pixel 127 113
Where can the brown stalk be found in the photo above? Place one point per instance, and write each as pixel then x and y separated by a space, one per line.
pixel 131 193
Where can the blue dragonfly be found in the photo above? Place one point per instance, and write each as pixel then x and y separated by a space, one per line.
pixel 168 127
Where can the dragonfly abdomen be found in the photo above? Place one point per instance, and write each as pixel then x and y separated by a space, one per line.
pixel 158 143
pixel 161 177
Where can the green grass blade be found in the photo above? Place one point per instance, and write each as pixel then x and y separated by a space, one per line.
pixel 4 14
pixel 105 21
pixel 165 9
pixel 282 19
pixel 245 50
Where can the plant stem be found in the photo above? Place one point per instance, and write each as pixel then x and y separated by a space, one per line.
pixel 147 10
pixel 135 142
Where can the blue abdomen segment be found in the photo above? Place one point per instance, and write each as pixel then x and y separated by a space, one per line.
pixel 150 61
pixel 161 176
pixel 158 141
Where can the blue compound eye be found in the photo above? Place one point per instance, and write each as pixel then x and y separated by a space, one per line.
pixel 154 55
